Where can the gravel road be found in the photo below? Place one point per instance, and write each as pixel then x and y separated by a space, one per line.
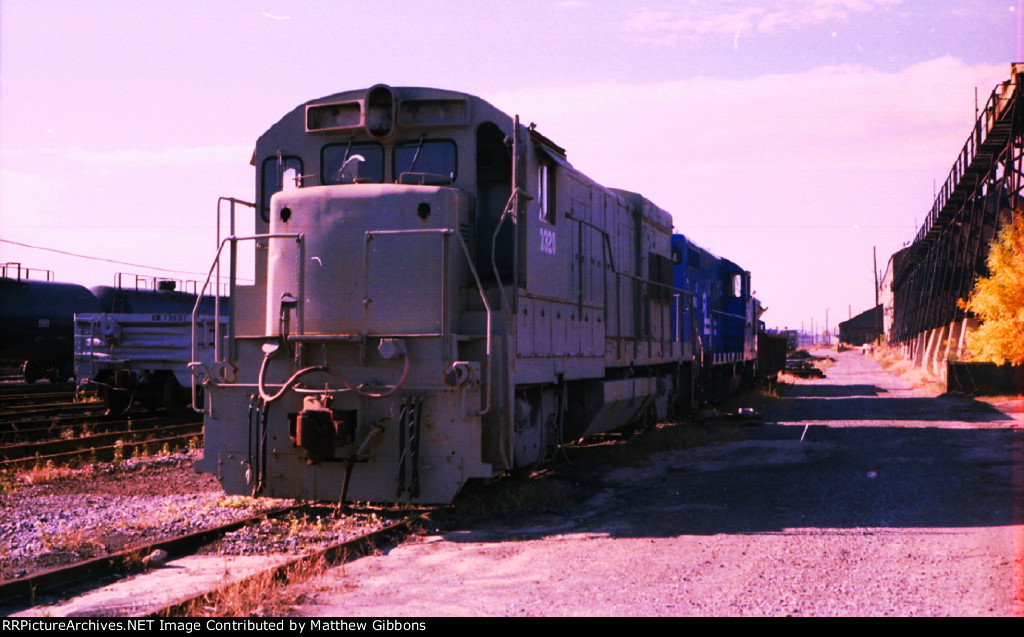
pixel 893 503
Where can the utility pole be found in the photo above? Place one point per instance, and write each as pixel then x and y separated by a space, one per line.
pixel 874 310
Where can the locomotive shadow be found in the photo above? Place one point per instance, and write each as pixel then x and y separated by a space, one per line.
pixel 849 402
pixel 832 391
pixel 889 473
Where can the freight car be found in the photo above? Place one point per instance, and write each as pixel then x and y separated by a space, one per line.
pixel 132 338
pixel 137 351
pixel 440 296
pixel 37 322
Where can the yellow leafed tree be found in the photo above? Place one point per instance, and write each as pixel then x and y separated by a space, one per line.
pixel 998 300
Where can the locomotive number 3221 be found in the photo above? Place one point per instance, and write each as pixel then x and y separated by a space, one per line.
pixel 547 240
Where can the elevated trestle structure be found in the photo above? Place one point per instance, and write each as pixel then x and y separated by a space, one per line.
pixel 983 191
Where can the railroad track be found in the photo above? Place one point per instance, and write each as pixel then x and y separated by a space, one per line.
pixel 59 409
pixel 18 429
pixel 21 431
pixel 76 583
pixel 14 393
pixel 103 447
pixel 63 433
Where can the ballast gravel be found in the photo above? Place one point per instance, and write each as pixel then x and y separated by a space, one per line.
pixel 106 508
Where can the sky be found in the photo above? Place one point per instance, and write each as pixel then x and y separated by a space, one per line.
pixel 794 137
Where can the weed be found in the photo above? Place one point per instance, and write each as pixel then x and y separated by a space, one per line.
pixel 72 540
pixel 236 501
pixel 757 397
pixel 133 560
pixel 158 519
pixel 918 377
pixel 885 356
pixel 774 387
pixel 45 473
pixel 6 571
pixel 679 435
pixel 271 593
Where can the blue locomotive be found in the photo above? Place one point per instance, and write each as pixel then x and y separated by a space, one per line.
pixel 718 318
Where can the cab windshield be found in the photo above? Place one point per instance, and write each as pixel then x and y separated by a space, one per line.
pixel 426 162
pixel 353 162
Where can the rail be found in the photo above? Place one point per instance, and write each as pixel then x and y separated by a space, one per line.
pixel 143 282
pixel 976 158
pixel 20 269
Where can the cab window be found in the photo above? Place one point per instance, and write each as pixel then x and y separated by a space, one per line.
pixel 279 173
pixel 351 163
pixel 425 162
pixel 736 284
pixel 546 191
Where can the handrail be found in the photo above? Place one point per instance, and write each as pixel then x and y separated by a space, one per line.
pixel 487 308
pixel 479 287
pixel 215 268
pixel 606 246
pixel 994 112
pixel 28 271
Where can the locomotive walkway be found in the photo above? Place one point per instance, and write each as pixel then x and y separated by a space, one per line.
pixel 894 503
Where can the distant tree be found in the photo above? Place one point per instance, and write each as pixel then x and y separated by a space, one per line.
pixel 998 299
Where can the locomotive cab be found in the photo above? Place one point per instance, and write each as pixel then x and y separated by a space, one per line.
pixel 375 275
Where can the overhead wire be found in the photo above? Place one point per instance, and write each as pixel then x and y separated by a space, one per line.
pixel 102 259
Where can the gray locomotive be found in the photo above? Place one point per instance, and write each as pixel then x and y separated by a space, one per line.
pixel 440 296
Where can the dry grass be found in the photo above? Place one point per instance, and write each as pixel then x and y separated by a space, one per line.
pixel 71 540
pixel 917 377
pixel 167 515
pixel 886 357
pixel 824 363
pixel 787 380
pixel 775 388
pixel 45 473
pixel 6 570
pixel 239 502
pixel 269 594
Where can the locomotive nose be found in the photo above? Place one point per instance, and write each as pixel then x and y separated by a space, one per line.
pixel 374 260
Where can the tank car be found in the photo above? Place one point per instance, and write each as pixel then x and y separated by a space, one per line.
pixel 36 323
pixel 439 296
pixel 63 330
